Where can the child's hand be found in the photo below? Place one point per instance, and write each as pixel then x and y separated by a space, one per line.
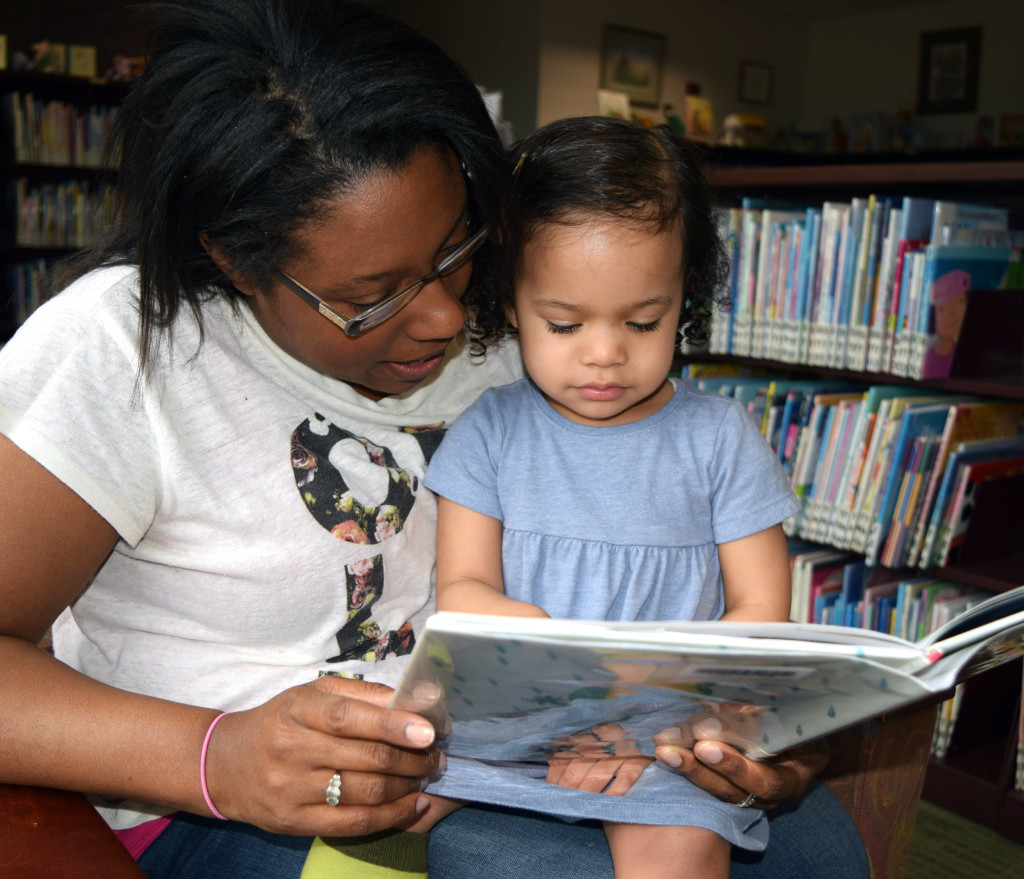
pixel 600 760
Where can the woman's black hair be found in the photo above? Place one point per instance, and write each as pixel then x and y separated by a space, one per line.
pixel 573 170
pixel 251 115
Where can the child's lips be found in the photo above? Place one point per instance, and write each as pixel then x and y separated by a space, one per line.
pixel 601 393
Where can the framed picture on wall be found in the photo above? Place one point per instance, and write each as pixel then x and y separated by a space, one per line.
pixel 632 62
pixel 947 79
pixel 755 82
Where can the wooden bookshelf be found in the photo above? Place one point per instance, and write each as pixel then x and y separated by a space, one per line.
pixel 975 776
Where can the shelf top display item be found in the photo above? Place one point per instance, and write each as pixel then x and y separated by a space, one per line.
pixel 527 690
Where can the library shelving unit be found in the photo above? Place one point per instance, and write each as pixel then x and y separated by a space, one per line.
pixel 52 132
pixel 975 775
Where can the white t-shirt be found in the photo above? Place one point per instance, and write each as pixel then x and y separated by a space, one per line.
pixel 274 524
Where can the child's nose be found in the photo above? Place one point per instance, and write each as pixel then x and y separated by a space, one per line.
pixel 605 348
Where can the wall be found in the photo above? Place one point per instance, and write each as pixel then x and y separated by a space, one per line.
pixel 705 42
pixel 498 43
pixel 870 62
pixel 546 57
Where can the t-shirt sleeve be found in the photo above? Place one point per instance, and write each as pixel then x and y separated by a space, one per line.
pixel 70 398
pixel 750 491
pixel 464 468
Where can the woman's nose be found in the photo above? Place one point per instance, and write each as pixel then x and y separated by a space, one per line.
pixel 436 312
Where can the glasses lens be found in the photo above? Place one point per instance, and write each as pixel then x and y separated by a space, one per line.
pixel 386 310
pixel 448 266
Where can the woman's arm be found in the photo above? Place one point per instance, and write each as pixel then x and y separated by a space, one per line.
pixel 756 575
pixel 469 577
pixel 268 766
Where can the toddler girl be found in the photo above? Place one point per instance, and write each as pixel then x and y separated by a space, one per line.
pixel 599 487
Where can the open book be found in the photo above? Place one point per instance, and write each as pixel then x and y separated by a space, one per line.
pixel 524 690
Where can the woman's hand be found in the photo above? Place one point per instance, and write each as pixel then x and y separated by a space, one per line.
pixel 271 765
pixel 724 772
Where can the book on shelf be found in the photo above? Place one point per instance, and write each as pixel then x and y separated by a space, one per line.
pixel 967 483
pixel 912 233
pixel 909 417
pixel 949 273
pixel 875 284
pixel 950 215
pixel 965 422
pixel 519 689
pixel 962 455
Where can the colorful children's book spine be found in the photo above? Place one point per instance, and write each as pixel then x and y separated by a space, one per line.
pixel 855 355
pixel 729 229
pixel 848 251
pixel 749 244
pixel 914 420
pixel 808 273
pixel 822 335
pixel 878 337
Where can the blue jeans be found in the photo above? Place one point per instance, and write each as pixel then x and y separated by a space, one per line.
pixel 810 838
pixel 201 848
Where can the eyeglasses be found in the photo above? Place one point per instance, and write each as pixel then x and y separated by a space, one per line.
pixel 387 307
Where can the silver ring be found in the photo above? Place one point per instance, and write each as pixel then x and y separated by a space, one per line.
pixel 334 790
pixel 749 801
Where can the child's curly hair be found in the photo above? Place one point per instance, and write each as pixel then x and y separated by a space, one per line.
pixel 574 169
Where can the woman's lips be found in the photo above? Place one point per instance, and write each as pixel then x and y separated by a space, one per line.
pixel 416 370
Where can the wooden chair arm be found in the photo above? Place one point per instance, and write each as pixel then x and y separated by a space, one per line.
pixel 54 833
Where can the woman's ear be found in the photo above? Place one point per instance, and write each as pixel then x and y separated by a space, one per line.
pixel 223 262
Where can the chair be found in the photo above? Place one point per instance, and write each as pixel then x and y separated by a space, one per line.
pixel 52 833
pixel 876 770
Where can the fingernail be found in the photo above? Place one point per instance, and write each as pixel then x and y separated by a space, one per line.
pixel 708 752
pixel 422 804
pixel 708 726
pixel 421 734
pixel 423 784
pixel 669 757
pixel 425 691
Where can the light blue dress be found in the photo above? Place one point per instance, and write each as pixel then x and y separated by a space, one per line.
pixel 617 523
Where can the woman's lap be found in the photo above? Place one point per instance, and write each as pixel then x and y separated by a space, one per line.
pixel 809 838
pixel 197 848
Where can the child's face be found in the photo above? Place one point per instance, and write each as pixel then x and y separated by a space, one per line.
pixel 597 307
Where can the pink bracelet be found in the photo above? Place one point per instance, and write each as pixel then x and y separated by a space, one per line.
pixel 202 766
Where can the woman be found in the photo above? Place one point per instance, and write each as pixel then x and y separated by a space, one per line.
pixel 229 413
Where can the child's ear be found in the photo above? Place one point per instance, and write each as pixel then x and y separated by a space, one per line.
pixel 511 315
pixel 224 263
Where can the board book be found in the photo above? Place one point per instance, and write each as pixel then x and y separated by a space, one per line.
pixel 515 688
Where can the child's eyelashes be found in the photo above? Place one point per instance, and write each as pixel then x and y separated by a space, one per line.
pixel 633 325
pixel 645 328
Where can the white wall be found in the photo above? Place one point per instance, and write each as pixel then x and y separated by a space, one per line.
pixel 705 42
pixel 870 62
pixel 545 56
pixel 496 41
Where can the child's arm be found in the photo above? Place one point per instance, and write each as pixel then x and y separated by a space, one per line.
pixel 756 574
pixel 469 577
